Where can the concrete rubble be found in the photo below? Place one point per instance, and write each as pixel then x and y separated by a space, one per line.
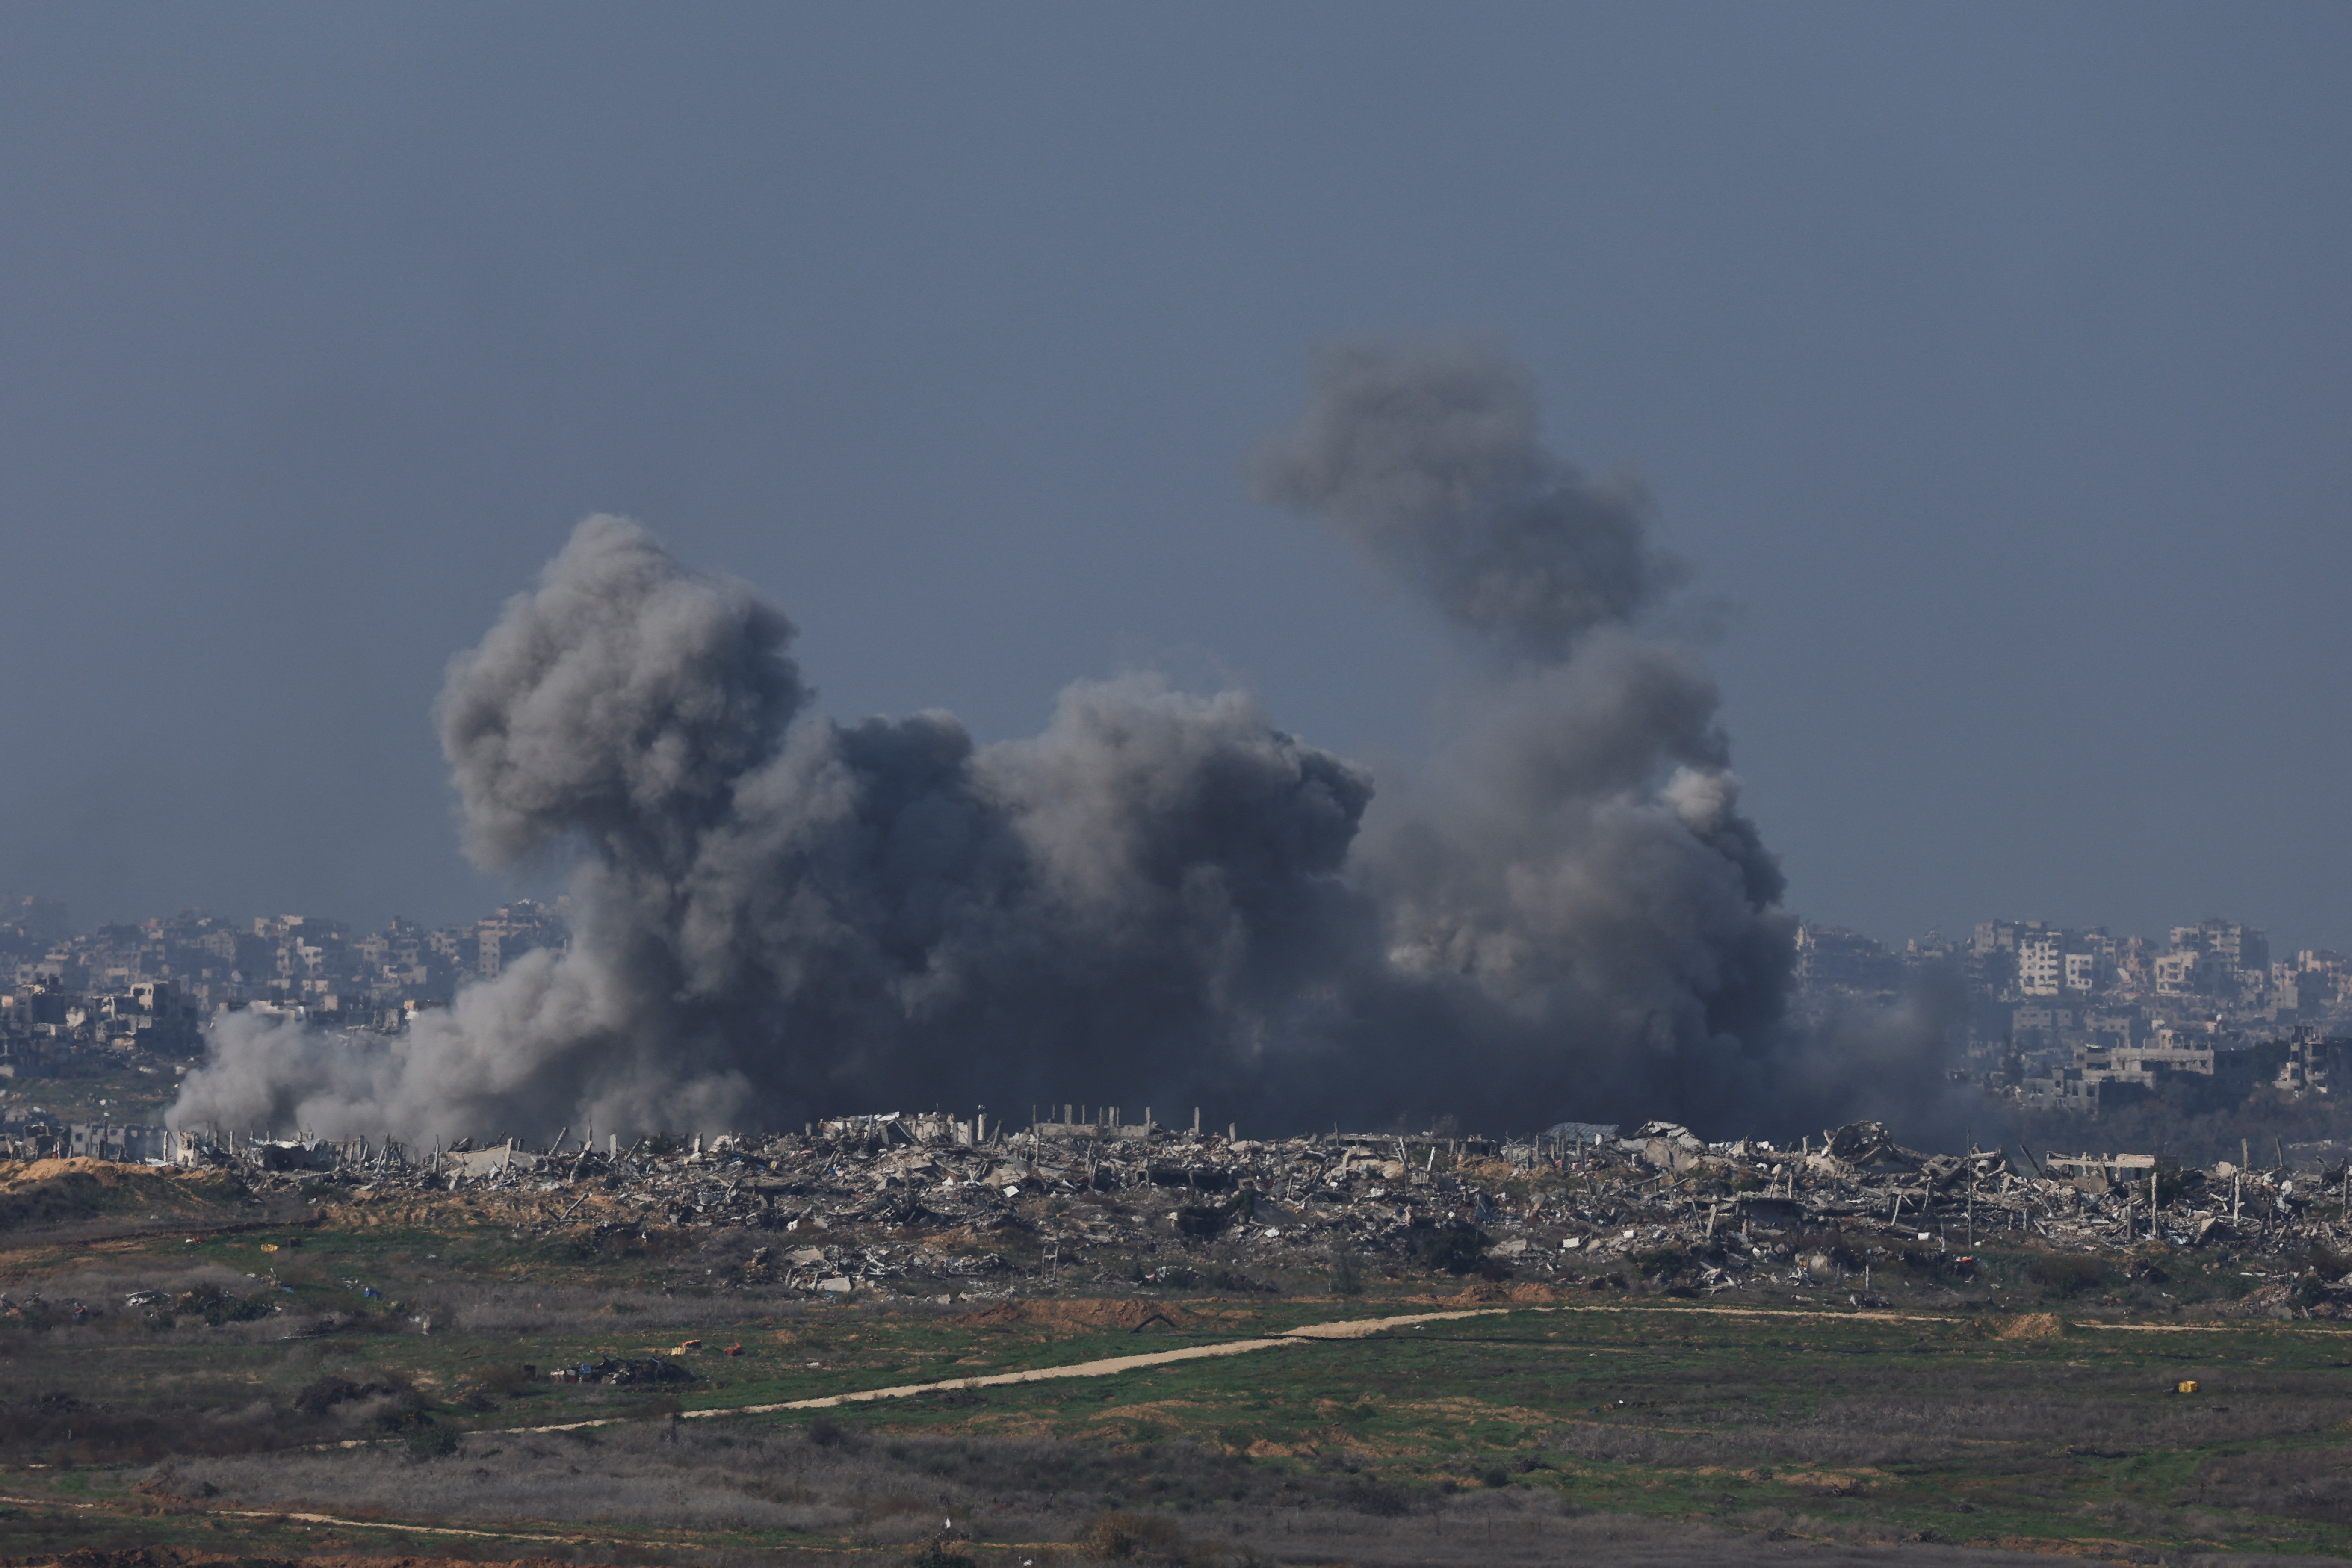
pixel 933 1204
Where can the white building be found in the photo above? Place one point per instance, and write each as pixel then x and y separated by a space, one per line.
pixel 2041 963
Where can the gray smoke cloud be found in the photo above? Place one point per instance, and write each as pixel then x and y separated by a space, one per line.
pixel 1570 886
pixel 782 917
pixel 1160 900
pixel 1428 458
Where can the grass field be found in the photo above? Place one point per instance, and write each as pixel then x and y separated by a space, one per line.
pixel 265 1382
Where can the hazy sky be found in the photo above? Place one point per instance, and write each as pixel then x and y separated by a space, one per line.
pixel 1993 366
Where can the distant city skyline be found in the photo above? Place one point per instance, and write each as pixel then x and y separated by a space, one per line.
pixel 27 919
pixel 12 912
pixel 2047 1018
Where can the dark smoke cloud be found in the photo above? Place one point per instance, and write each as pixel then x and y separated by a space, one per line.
pixel 621 704
pixel 1570 886
pixel 1160 900
pixel 785 917
pixel 1427 458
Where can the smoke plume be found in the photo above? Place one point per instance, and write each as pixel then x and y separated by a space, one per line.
pixel 1428 458
pixel 1160 900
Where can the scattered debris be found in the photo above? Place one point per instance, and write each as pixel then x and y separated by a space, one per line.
pixel 951 1208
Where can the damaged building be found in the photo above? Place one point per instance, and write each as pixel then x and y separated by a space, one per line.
pixel 1083 1199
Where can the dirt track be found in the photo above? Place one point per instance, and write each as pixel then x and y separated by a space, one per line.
pixel 2036 1326
pixel 1109 1365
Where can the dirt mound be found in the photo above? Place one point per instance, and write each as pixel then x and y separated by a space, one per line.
pixel 43 1194
pixel 2031 1326
pixel 1132 1316
pixel 22 1172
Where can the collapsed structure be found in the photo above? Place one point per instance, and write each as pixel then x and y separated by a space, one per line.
pixel 933 1204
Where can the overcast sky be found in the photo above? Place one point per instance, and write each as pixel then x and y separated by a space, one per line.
pixel 1992 364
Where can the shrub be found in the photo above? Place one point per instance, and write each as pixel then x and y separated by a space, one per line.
pixel 321 1394
pixel 1116 1536
pixel 2068 1276
pixel 1455 1248
pixel 937 1556
pixel 1236 1281
pixel 501 1379
pixel 1347 1273
pixel 1378 1499
pixel 216 1307
pixel 1200 1220
pixel 428 1439
pixel 1659 1260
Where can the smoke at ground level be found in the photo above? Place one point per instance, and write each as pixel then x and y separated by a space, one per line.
pixel 1162 898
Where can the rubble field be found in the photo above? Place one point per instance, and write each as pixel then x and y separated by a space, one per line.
pixel 933 1207
pixel 592 1351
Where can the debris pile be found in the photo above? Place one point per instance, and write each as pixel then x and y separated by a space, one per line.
pixel 934 1204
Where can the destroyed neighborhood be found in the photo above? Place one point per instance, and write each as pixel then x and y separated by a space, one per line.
pixel 2055 1018
pixel 926 1204
pixel 932 1207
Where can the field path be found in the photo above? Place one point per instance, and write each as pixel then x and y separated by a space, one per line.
pixel 1350 1329
pixel 1355 1330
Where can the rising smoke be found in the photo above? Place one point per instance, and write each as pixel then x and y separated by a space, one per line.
pixel 1161 900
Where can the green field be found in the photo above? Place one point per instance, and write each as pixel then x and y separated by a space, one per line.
pixel 1954 1420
